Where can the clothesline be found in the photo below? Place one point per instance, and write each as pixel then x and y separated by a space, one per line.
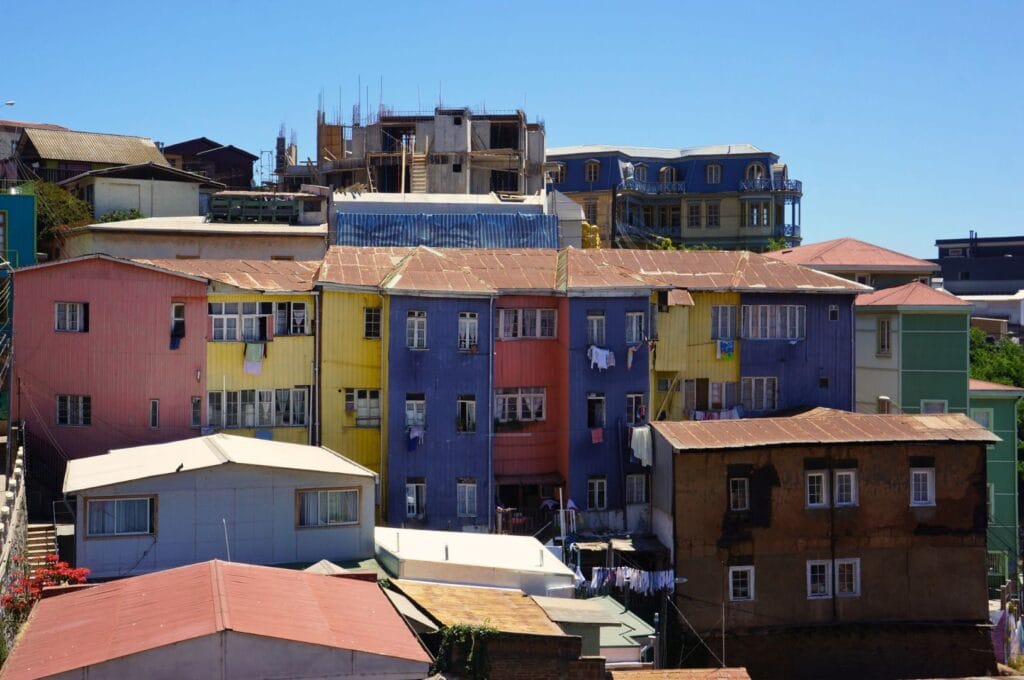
pixel 631 578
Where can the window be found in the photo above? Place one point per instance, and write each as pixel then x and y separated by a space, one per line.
pixel 465 497
pixel 595 410
pixel 723 322
pixel 468 331
pixel 990 501
pixel 773 322
pixel 716 396
pixel 833 312
pixel 365 403
pixel 863 279
pixel 154 414
pixel 739 494
pixel 526 323
pixel 416 330
pixel 922 486
pixel 290 407
pixel 634 327
pixel 636 488
pixel 415 410
pixel 845 492
pixel 595 328
pixel 713 173
pixel 819 579
pixel 196 411
pixel 634 408
pixel 465 413
pixel 741 583
pixel 597 493
pixel 647 212
pixel 234 321
pixel 74 409
pixel 982 416
pixel 848 577
pixel 934 406
pixel 120 516
pixel 759 394
pixel 640 172
pixel 693 215
pixel 756 213
pixel 559 173
pixel 668 216
pixel 177 321
pixel 253 408
pixel 590 212
pixel 71 317
pixel 415 499
pixel 215 406
pixel 816 488
pixel 519 403
pixel 713 214
pixel 291 319
pixel 667 174
pixel 883 337
pixel 591 171
pixel 326 507
pixel 754 171
pixel 371 323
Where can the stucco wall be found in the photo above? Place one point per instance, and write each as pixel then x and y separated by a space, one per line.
pixel 876 375
pixel 136 244
pixel 153 198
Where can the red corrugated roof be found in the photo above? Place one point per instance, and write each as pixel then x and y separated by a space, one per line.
pixel 913 294
pixel 277 275
pixel 683 674
pixel 821 428
pixel 849 253
pixel 985 386
pixel 133 615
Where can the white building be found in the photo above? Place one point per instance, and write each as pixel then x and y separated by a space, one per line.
pixel 218 497
pixel 154 190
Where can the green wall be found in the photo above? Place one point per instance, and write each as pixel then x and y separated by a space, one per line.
pixel 934 360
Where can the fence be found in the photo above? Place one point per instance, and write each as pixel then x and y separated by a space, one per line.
pixel 13 526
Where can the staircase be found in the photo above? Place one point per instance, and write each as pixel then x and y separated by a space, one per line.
pixel 41 541
pixel 418 173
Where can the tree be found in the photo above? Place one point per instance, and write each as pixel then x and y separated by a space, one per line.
pixel 56 210
pixel 999 362
pixel 121 215
pixel 776 243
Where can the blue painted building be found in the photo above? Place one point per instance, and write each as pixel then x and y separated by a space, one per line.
pixel 17 249
pixel 439 412
pixel 725 196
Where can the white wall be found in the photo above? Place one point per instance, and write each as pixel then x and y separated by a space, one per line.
pixel 876 376
pixel 152 198
pixel 259 505
pixel 133 244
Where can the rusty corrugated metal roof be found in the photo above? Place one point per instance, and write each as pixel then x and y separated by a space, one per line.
pixel 913 294
pixel 360 267
pixel 821 428
pixel 133 615
pixel 267 275
pixel 509 611
pixel 850 254
pixel 93 147
pixel 677 297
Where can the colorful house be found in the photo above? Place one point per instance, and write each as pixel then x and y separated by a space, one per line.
pixel 859 261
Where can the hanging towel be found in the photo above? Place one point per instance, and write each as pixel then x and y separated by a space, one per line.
pixel 253 363
pixel 641 444
pixel 597 435
pixel 629 357
pixel 610 361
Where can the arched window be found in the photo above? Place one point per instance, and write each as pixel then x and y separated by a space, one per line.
pixel 713 173
pixel 640 172
pixel 755 171
pixel 591 171
pixel 667 174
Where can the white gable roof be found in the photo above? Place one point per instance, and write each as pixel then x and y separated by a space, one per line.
pixel 141 462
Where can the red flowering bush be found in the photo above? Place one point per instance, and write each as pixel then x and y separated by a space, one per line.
pixel 25 590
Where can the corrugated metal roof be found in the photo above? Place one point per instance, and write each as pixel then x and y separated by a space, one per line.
pixel 913 294
pixel 25 124
pixel 679 298
pixel 265 275
pixel 976 385
pixel 360 267
pixel 850 254
pixel 507 610
pixel 141 462
pixel 682 674
pixel 629 628
pixel 836 428
pixel 133 615
pixel 93 147
pixel 149 170
pixel 660 153
pixel 448 230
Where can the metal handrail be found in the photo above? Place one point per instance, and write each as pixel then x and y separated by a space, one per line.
pixel 766 184
pixel 633 184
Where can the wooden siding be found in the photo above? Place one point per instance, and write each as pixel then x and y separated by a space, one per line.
pixel 673 335
pixel 702 360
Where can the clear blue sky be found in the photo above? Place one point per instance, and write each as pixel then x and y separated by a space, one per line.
pixel 905 120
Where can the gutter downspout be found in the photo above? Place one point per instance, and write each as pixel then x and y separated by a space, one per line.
pixel 490 422
pixel 315 434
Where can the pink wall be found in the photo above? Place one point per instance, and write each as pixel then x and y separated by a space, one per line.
pixel 541 447
pixel 122 362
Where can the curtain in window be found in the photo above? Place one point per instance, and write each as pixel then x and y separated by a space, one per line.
pixel 101 517
pixel 349 506
pixel 133 516
pixel 309 512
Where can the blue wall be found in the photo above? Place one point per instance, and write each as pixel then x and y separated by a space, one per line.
pixel 441 373
pixel 20 248
pixel 827 351
pixel 608 458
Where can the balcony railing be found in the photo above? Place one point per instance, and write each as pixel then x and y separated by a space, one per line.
pixel 787 230
pixel 793 186
pixel 654 187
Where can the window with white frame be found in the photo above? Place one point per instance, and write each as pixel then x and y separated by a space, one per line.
pixel 595 328
pixel 595 410
pixel 154 414
pixel 716 396
pixel 196 412
pixel 713 173
pixel 225 320
pixel 634 408
pixel 290 407
pixel 922 486
pixel 558 176
pixel 120 516
pixel 636 489
pixel 739 494
pixel 526 323
pixel 934 406
pixel 773 322
pixel 469 335
pixel 640 172
pixel 291 319
pixel 328 507
pixel 416 330
pixel 255 319
pixel 833 312
pixel 759 394
pixel 847 577
pixel 415 498
pixel 371 323
pixel 667 174
pixel 883 337
pixel 255 408
pixel 71 317
pixel 465 497
pixel 519 403
pixel 689 394
pixel 754 171
pixel 741 583
pixel 465 413
pixel 845 492
pixel 365 404
pixel 819 579
pixel 591 171
pixel 597 493
pixel 723 322
pixel 983 416
pixel 74 409
pixel 177 320
pixel 816 489
pixel 415 410
pixel 634 327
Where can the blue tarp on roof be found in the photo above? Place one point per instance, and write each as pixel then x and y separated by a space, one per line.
pixel 476 230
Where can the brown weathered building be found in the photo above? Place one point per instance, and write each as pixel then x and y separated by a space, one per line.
pixel 834 544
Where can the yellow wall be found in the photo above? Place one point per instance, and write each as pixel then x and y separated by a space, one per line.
pixel 670 354
pixel 604 210
pixel 701 359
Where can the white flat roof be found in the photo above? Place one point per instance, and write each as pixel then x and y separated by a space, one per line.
pixel 197 224
pixel 494 551
pixel 141 462
pixel 1019 295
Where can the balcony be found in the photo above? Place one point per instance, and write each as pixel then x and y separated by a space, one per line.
pixel 787 230
pixel 653 187
pixel 791 186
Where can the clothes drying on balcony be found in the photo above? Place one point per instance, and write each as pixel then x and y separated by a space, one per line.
pixel 600 358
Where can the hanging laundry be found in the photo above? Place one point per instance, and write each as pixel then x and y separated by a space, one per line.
pixel 640 442
pixel 597 435
pixel 415 437
pixel 726 349
pixel 253 362
pixel 610 361
pixel 629 358
pixel 600 358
